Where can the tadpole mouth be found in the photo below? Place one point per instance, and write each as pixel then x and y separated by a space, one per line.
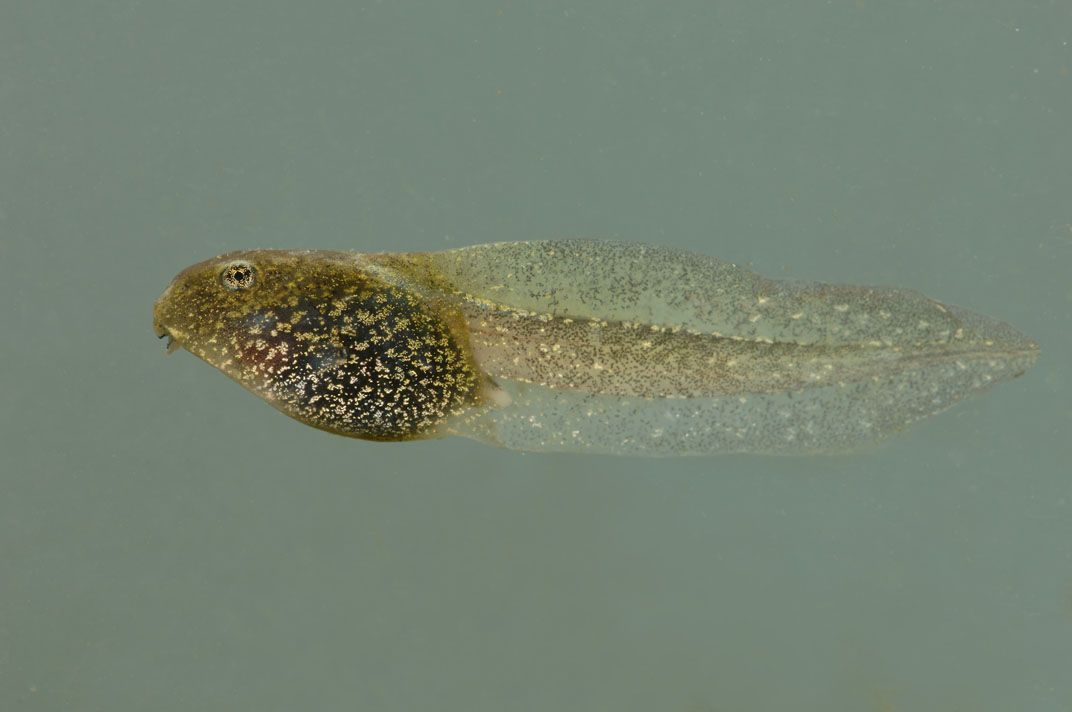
pixel 172 343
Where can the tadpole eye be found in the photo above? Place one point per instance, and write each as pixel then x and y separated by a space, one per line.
pixel 238 275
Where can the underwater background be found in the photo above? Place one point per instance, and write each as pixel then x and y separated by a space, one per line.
pixel 168 542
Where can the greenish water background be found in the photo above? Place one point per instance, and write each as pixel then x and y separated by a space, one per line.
pixel 168 542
